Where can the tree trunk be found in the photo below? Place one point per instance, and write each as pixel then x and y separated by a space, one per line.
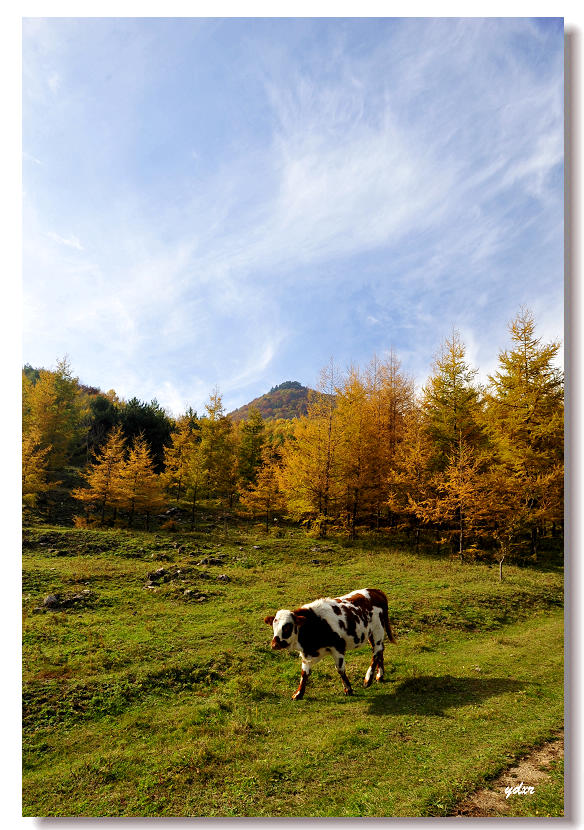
pixel 501 569
pixel 193 511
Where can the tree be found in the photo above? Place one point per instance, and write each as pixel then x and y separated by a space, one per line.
pixel 141 491
pixel 525 421
pixel 265 496
pixel 389 399
pixel 52 412
pixel 410 481
pixel 452 413
pixel 34 467
pixel 102 416
pixel 218 450
pixel 177 458
pixel 251 442
pixel 106 486
pixel 311 463
pixel 451 403
pixel 456 501
pixel 355 447
pixel 151 421
pixel 195 477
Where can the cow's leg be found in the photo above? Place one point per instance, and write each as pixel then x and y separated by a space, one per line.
pixel 380 666
pixel 299 693
pixel 340 664
pixel 376 639
pixel 370 671
pixel 369 675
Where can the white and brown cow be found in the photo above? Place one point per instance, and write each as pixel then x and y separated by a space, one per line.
pixel 334 626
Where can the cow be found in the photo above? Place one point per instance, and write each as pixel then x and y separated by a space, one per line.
pixel 334 626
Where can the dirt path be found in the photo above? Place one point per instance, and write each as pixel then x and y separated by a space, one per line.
pixel 531 771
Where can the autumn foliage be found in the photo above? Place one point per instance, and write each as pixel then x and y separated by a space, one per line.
pixel 475 467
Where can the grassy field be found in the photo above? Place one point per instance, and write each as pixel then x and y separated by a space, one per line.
pixel 149 701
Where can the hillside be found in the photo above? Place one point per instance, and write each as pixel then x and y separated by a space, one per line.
pixel 287 400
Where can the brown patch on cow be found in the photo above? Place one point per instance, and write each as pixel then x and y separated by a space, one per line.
pixel 269 620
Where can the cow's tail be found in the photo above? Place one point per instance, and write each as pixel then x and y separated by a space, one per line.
pixel 388 629
pixel 385 620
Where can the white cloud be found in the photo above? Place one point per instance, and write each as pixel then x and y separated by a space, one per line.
pixel 69 242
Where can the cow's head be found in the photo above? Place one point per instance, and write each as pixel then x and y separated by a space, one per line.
pixel 285 625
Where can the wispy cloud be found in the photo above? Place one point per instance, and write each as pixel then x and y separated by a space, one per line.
pixel 417 162
pixel 68 242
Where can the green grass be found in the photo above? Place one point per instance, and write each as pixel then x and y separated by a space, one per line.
pixel 143 702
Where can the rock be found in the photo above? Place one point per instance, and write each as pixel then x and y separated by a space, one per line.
pixel 224 578
pixel 52 601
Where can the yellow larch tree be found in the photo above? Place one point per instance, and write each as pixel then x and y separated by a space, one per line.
pixel 142 491
pixel 105 481
pixel 34 467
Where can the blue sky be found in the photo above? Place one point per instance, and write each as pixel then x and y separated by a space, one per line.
pixel 232 202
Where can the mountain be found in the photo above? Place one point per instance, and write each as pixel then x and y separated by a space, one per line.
pixel 288 400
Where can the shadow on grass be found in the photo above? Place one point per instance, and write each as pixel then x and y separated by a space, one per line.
pixel 429 695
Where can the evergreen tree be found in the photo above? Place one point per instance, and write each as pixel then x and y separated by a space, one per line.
pixel 151 421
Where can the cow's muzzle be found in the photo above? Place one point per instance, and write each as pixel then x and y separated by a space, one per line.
pixel 277 643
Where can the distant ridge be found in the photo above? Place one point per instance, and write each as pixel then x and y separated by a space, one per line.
pixel 287 400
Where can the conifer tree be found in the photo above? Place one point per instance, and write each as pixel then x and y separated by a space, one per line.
pixel 410 479
pixel 389 399
pixel 34 467
pixel 218 450
pixel 525 420
pixel 451 403
pixel 311 461
pixel 176 458
pixel 105 481
pixel 451 408
pixel 355 447
pixel 251 442
pixel 265 496
pixel 142 492
pixel 195 477
pixel 52 408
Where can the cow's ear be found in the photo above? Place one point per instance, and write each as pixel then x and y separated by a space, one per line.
pixel 299 618
pixel 269 620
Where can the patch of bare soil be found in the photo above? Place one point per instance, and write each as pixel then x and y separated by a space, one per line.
pixel 529 771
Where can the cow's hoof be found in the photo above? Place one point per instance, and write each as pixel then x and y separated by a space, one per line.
pixel 297 696
pixel 348 691
pixel 367 682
